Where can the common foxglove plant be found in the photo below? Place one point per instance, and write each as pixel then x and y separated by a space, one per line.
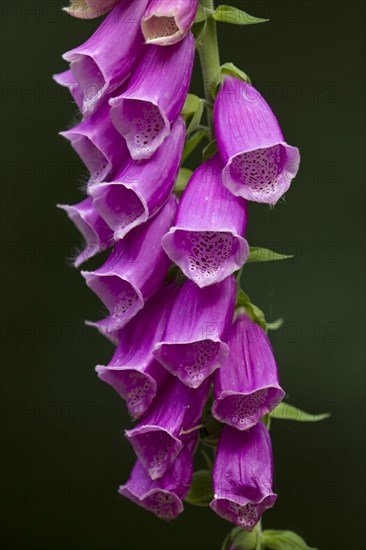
pixel 193 362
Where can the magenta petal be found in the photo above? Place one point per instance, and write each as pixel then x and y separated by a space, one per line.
pixel 259 164
pixel 207 240
pixel 193 346
pixel 133 372
pixel 133 272
pixel 242 476
pixel 166 22
pixel 93 228
pixel 140 188
pixel 106 59
pixel 67 80
pixel 246 387
pixel 159 436
pixel 163 497
pixel 89 9
pixel 154 97
pixel 98 144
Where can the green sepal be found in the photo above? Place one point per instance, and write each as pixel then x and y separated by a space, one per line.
pixel 183 178
pixel 234 16
pixel 233 70
pixel 203 13
pixel 209 150
pixel 212 431
pixel 192 112
pixel 266 419
pixel 283 540
pixel 198 31
pixel 239 539
pixel 208 460
pixel 256 314
pixel 227 69
pixel 200 492
pixel 258 254
pixel 275 325
pixel 284 411
pixel 192 142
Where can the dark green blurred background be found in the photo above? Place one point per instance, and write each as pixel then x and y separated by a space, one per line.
pixel 63 448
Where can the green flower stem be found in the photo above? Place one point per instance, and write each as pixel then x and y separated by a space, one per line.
pixel 210 61
pixel 259 543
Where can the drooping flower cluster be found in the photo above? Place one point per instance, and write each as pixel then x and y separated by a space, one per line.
pixel 175 336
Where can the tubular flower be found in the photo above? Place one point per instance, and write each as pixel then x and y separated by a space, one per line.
pixel 246 387
pixel 98 144
pixel 259 164
pixel 159 436
pixel 154 97
pixel 133 272
pixel 89 9
pixel 106 59
pixel 166 22
pixel 133 372
pixel 163 497
pixel 193 346
pixel 140 188
pixel 206 240
pixel 67 80
pixel 242 476
pixel 96 233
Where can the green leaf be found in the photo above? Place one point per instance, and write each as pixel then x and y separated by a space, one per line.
pixel 209 150
pixel 192 142
pixel 284 411
pixel 283 540
pixel 200 492
pixel 229 14
pixel 258 254
pixel 192 112
pixel 183 177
